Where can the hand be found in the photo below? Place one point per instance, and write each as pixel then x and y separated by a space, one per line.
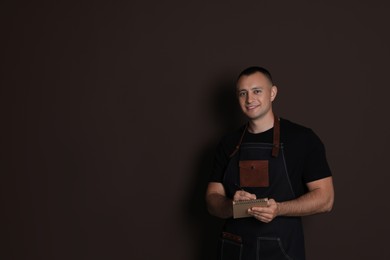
pixel 265 214
pixel 243 195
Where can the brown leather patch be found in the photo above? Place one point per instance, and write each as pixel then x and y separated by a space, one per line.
pixel 254 173
pixel 232 237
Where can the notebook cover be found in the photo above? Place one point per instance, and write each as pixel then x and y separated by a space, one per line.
pixel 240 208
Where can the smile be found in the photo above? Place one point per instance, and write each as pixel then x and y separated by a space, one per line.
pixel 251 107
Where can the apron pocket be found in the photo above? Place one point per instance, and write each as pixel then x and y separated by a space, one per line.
pixel 271 248
pixel 231 247
pixel 254 173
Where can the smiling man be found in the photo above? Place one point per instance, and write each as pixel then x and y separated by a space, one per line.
pixel 268 158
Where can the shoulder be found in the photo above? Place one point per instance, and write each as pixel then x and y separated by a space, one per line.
pixel 230 140
pixel 292 132
pixel 292 127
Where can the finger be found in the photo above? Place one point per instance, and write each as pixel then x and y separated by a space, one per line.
pixel 247 194
pixel 251 196
pixel 239 196
pixel 262 210
pixel 262 218
pixel 243 195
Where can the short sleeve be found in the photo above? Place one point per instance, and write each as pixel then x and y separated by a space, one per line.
pixel 316 165
pixel 220 163
pixel 222 154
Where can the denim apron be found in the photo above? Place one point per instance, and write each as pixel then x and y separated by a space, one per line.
pixel 249 238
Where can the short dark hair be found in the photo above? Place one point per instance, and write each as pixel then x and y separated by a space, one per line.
pixel 254 69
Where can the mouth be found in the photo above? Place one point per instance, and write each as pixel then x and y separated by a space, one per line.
pixel 251 107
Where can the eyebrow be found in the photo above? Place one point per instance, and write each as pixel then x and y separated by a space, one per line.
pixel 257 87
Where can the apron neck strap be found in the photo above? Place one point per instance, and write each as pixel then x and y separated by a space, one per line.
pixel 239 143
pixel 276 140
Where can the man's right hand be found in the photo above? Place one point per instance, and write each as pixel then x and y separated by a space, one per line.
pixel 243 195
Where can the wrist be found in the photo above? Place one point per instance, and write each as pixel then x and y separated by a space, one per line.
pixel 279 209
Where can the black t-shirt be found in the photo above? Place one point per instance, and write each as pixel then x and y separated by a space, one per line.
pixel 304 153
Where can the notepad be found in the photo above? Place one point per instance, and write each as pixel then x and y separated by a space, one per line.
pixel 240 208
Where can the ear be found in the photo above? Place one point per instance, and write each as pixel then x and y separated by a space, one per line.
pixel 274 92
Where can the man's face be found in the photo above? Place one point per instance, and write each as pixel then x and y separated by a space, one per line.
pixel 255 95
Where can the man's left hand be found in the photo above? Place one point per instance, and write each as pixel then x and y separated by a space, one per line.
pixel 265 214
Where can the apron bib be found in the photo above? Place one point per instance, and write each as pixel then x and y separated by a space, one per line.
pixel 260 168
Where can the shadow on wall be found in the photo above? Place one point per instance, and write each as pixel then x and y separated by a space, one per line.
pixel 204 228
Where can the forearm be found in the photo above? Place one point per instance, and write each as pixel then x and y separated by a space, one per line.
pixel 218 205
pixel 313 202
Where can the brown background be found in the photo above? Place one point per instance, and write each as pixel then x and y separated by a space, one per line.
pixel 111 112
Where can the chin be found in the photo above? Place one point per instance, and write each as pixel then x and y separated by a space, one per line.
pixel 254 117
pixel 252 114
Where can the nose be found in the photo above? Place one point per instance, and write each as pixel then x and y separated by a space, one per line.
pixel 249 98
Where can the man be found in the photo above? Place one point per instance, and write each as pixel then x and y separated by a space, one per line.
pixel 272 158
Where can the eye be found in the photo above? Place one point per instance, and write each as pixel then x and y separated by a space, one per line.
pixel 257 91
pixel 242 94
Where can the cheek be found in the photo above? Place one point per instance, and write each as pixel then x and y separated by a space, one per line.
pixel 242 104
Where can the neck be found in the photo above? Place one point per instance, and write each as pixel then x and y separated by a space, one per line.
pixel 260 125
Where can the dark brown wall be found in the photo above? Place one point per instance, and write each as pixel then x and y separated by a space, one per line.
pixel 111 113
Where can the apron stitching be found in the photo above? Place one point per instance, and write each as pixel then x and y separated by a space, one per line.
pixel 288 176
pixel 276 239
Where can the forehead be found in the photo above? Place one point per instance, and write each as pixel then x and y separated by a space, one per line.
pixel 256 79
